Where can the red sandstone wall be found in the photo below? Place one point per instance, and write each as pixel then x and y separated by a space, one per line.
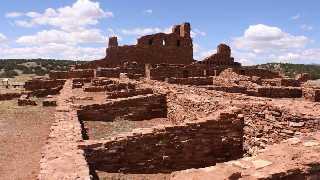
pixel 190 145
pixel 191 81
pixel 36 84
pixel 133 108
pixel 311 94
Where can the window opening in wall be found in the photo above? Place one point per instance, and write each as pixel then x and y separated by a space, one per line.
pixel 163 42
pixel 178 43
pixel 150 41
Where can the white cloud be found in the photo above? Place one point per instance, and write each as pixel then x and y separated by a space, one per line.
pixel 296 17
pixel 62 37
pixel 3 38
pixel 261 38
pixel 56 51
pixel 306 27
pixel 148 11
pixel 197 32
pixel 14 14
pixel 80 15
pixel 142 31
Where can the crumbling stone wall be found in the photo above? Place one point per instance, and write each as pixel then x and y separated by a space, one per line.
pixel 191 81
pixel 287 82
pixel 9 96
pixel 140 107
pixel 221 58
pixel 295 158
pixel 166 149
pixel 128 93
pixel 36 84
pixel 279 92
pixel 311 94
pixel 266 124
pixel 73 73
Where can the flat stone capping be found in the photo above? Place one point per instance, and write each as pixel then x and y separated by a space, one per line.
pixel 295 158
pixel 61 157
pixel 167 148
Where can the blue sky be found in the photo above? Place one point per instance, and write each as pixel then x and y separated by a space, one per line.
pixel 258 31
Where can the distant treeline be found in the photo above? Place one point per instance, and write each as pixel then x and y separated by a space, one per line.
pixel 14 67
pixel 291 70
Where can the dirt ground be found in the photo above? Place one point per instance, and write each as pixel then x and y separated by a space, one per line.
pixel 23 132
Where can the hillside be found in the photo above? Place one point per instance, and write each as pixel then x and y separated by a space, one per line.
pixel 291 70
pixel 13 67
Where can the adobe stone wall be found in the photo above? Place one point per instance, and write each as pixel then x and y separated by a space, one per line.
pixel 9 96
pixel 166 149
pixel 279 92
pixel 139 107
pixel 295 158
pixel 311 94
pixel 73 73
pixel 191 81
pixel 36 84
pixel 61 157
pixel 128 93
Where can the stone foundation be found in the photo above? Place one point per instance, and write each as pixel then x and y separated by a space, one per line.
pixel 279 92
pixel 128 93
pixel 140 107
pixel 165 149
pixel 295 158
pixel 311 94
pixel 191 81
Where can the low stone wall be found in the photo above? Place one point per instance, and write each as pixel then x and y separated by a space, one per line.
pixel 9 96
pixel 61 157
pixel 58 74
pixel 81 73
pixel 266 124
pixel 295 158
pixel 279 92
pixel 311 94
pixel 36 84
pixel 102 82
pixel 94 88
pixel 140 107
pixel 46 92
pixel 108 72
pixel 286 82
pixel 166 149
pixel 118 86
pixel 191 81
pixel 128 93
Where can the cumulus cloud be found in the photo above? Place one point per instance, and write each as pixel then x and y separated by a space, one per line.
pixel 144 31
pixel 80 15
pixel 260 38
pixel 3 38
pixel 62 37
pixel 14 14
pixel 197 32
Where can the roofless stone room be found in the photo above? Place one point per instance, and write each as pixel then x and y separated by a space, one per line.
pixel 125 90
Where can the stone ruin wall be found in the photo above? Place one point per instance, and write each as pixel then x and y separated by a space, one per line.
pixel 61 157
pixel 135 108
pixel 75 73
pixel 191 81
pixel 165 149
pixel 295 158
